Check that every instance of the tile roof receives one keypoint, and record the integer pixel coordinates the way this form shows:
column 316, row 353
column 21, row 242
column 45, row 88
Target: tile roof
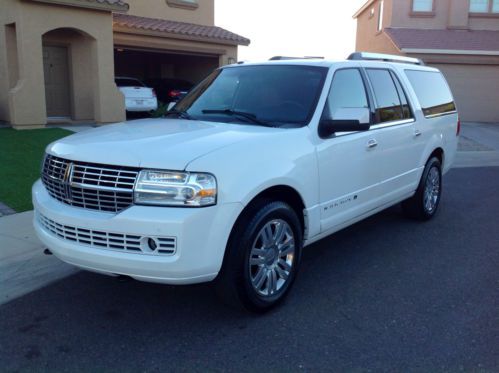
column 466, row 40
column 189, row 30
column 113, row 5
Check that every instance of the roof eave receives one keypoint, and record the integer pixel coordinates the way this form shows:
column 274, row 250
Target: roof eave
column 363, row 8
column 172, row 35
column 88, row 4
column 450, row 51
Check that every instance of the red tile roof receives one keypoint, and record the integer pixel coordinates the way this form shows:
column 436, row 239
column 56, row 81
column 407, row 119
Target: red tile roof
column 209, row 33
column 467, row 40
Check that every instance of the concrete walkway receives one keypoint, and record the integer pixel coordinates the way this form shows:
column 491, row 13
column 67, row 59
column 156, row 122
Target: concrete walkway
column 24, row 267
column 478, row 145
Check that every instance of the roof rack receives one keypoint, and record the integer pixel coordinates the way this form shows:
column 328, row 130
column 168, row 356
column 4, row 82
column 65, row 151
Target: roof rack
column 384, row 57
column 281, row 58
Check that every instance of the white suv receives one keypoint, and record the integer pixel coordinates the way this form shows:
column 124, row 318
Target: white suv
column 256, row 162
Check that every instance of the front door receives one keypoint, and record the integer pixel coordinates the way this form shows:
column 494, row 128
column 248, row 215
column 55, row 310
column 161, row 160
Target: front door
column 56, row 72
column 347, row 161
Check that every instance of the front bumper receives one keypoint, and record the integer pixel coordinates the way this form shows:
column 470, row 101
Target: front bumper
column 200, row 234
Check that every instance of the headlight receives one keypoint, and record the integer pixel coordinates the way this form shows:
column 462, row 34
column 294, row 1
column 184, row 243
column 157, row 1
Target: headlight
column 168, row 188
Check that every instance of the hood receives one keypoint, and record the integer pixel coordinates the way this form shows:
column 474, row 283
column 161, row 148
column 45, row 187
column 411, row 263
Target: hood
column 152, row 143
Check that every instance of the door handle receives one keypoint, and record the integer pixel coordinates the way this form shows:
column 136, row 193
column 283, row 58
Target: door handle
column 372, row 144
column 417, row 133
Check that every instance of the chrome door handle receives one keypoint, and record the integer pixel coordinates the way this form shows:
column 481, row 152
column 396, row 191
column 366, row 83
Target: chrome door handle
column 372, row 143
column 417, row 133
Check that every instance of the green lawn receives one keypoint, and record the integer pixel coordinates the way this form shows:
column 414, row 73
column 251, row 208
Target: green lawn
column 21, row 154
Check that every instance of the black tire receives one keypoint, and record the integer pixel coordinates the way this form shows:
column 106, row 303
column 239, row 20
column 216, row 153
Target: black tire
column 417, row 207
column 235, row 284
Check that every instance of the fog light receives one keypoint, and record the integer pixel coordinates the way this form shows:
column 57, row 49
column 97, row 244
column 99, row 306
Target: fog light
column 152, row 244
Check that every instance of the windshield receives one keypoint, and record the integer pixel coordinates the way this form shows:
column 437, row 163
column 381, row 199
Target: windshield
column 263, row 94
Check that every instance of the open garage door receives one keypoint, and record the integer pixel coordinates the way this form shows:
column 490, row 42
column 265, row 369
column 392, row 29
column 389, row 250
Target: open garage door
column 176, row 71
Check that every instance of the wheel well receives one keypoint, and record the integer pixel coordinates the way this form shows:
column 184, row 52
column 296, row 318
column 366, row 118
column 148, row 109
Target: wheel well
column 439, row 153
column 285, row 194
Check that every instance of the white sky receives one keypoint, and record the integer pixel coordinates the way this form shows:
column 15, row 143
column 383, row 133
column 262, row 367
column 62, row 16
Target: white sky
column 291, row 27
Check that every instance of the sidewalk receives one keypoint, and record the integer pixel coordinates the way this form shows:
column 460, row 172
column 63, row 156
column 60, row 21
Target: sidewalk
column 24, row 267
column 478, row 145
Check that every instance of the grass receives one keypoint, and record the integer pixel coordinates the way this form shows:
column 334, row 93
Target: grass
column 21, row 154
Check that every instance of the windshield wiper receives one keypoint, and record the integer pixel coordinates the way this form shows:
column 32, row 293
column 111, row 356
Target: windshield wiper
column 179, row 114
column 249, row 116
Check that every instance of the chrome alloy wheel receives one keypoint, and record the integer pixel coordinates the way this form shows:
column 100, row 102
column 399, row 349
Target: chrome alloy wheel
column 432, row 190
column 271, row 257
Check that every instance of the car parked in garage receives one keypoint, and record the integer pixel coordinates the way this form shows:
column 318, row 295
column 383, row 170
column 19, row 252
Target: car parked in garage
column 258, row 161
column 170, row 90
column 138, row 97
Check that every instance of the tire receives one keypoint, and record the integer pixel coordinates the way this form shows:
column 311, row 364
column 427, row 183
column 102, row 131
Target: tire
column 424, row 204
column 262, row 257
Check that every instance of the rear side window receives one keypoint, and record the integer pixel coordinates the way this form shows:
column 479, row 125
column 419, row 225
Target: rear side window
column 432, row 91
column 389, row 105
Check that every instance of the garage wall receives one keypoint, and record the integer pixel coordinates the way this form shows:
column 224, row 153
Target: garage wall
column 475, row 88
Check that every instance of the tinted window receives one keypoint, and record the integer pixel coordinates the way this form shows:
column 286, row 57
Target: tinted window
column 347, row 91
column 406, row 109
column 432, row 91
column 277, row 94
column 388, row 105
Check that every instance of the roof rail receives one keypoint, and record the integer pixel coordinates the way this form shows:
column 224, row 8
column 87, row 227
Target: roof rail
column 281, row 58
column 384, row 57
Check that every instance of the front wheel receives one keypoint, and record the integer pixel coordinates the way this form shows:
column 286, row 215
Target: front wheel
column 262, row 258
column 424, row 204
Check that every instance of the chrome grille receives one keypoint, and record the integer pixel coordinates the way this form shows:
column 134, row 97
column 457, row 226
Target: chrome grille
column 109, row 240
column 89, row 185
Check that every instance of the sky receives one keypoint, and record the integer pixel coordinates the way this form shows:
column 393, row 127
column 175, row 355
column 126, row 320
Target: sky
column 291, row 27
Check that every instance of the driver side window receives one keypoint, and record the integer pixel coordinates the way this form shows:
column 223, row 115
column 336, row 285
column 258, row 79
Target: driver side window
column 347, row 92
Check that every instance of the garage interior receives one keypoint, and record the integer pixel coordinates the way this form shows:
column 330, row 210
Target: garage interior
column 150, row 64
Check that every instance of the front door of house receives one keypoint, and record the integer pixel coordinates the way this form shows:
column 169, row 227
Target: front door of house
column 56, row 71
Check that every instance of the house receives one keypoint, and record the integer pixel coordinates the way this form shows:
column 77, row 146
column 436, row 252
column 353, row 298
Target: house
column 460, row 37
column 58, row 58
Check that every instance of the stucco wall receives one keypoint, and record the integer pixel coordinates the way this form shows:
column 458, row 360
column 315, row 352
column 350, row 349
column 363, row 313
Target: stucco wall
column 484, row 23
column 403, row 17
column 369, row 39
column 204, row 14
column 26, row 100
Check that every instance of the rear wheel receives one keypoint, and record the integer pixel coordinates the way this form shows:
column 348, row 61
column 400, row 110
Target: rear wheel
column 262, row 258
column 424, row 204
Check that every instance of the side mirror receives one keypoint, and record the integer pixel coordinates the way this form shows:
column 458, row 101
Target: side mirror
column 346, row 120
column 170, row 106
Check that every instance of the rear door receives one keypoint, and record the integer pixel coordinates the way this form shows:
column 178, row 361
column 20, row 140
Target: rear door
column 398, row 150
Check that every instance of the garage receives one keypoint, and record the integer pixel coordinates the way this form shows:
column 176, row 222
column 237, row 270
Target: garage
column 177, row 70
column 475, row 90
column 168, row 55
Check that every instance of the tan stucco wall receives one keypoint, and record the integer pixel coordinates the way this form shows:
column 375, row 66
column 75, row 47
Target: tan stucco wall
column 368, row 38
column 204, row 14
column 475, row 90
column 484, row 23
column 448, row 14
column 26, row 101
column 402, row 15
